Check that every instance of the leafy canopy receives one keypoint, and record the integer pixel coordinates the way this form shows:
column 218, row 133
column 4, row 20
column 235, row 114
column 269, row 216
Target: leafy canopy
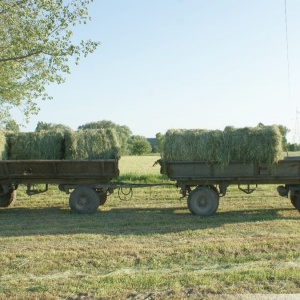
column 35, row 48
column 139, row 145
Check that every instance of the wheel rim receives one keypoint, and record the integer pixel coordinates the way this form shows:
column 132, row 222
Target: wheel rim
column 202, row 202
column 82, row 201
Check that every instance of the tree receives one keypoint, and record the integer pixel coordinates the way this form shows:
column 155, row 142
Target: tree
column 139, row 145
column 50, row 126
column 160, row 141
column 35, row 48
column 12, row 125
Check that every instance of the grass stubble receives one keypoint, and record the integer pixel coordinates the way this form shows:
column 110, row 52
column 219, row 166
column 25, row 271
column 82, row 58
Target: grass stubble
column 149, row 247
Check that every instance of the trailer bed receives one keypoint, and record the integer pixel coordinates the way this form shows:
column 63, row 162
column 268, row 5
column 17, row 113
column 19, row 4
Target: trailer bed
column 204, row 182
column 203, row 173
column 58, row 171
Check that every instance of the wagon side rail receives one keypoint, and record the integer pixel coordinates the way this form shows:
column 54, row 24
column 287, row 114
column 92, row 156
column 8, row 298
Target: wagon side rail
column 202, row 173
column 58, row 171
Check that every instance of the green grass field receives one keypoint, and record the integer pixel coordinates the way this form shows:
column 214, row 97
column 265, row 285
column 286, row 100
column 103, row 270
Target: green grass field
column 149, row 247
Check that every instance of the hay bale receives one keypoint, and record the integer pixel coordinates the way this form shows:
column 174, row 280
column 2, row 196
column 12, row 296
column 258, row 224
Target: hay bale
column 262, row 144
column 3, row 146
column 42, row 145
column 191, row 145
column 92, row 144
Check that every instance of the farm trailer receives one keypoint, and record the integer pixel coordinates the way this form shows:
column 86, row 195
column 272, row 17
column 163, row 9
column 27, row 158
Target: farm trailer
column 90, row 180
column 203, row 183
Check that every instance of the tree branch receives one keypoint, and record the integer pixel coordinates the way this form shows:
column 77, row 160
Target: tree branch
column 20, row 57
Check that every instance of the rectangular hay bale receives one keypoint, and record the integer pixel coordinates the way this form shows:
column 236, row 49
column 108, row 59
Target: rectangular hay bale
column 92, row 144
column 261, row 144
column 42, row 145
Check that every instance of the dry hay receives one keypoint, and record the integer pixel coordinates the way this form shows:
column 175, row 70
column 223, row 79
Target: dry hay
column 42, row 145
column 92, row 144
column 262, row 144
column 191, row 145
column 3, row 148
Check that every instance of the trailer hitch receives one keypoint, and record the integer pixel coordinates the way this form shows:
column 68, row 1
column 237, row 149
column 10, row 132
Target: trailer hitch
column 247, row 190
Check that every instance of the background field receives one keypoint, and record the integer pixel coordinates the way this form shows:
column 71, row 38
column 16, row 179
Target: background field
column 149, row 247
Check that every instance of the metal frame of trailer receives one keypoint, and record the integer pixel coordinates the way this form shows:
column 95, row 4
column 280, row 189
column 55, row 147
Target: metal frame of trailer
column 90, row 180
column 204, row 182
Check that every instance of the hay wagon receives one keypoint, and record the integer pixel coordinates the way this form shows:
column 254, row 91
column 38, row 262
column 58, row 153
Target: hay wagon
column 204, row 182
column 89, row 180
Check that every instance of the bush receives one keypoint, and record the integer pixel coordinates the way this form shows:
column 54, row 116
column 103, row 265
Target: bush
column 138, row 145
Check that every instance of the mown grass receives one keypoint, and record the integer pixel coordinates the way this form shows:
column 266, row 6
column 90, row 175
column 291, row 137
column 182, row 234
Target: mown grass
column 149, row 247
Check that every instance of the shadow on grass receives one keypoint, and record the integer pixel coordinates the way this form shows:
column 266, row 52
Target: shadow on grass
column 125, row 221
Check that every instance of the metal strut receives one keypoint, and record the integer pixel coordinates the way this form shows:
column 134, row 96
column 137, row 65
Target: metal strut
column 248, row 190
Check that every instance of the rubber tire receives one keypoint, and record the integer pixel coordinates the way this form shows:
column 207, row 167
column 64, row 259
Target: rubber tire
column 102, row 198
column 84, row 200
column 7, row 199
column 203, row 201
column 295, row 200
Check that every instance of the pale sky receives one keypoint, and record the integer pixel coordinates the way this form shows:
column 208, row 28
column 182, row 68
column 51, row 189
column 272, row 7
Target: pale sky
column 165, row 64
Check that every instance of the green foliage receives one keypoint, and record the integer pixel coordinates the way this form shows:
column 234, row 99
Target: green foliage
column 138, row 145
column 50, row 126
column 123, row 132
column 142, row 178
column 11, row 125
column 35, row 48
column 293, row 147
column 160, row 138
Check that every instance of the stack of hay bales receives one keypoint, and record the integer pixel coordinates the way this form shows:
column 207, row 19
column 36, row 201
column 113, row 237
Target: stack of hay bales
column 262, row 144
column 44, row 144
column 61, row 144
column 3, row 147
column 92, row 144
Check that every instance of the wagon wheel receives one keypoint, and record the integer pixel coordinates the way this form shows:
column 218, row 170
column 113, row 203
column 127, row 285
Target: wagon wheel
column 84, row 200
column 295, row 199
column 203, row 201
column 7, row 198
